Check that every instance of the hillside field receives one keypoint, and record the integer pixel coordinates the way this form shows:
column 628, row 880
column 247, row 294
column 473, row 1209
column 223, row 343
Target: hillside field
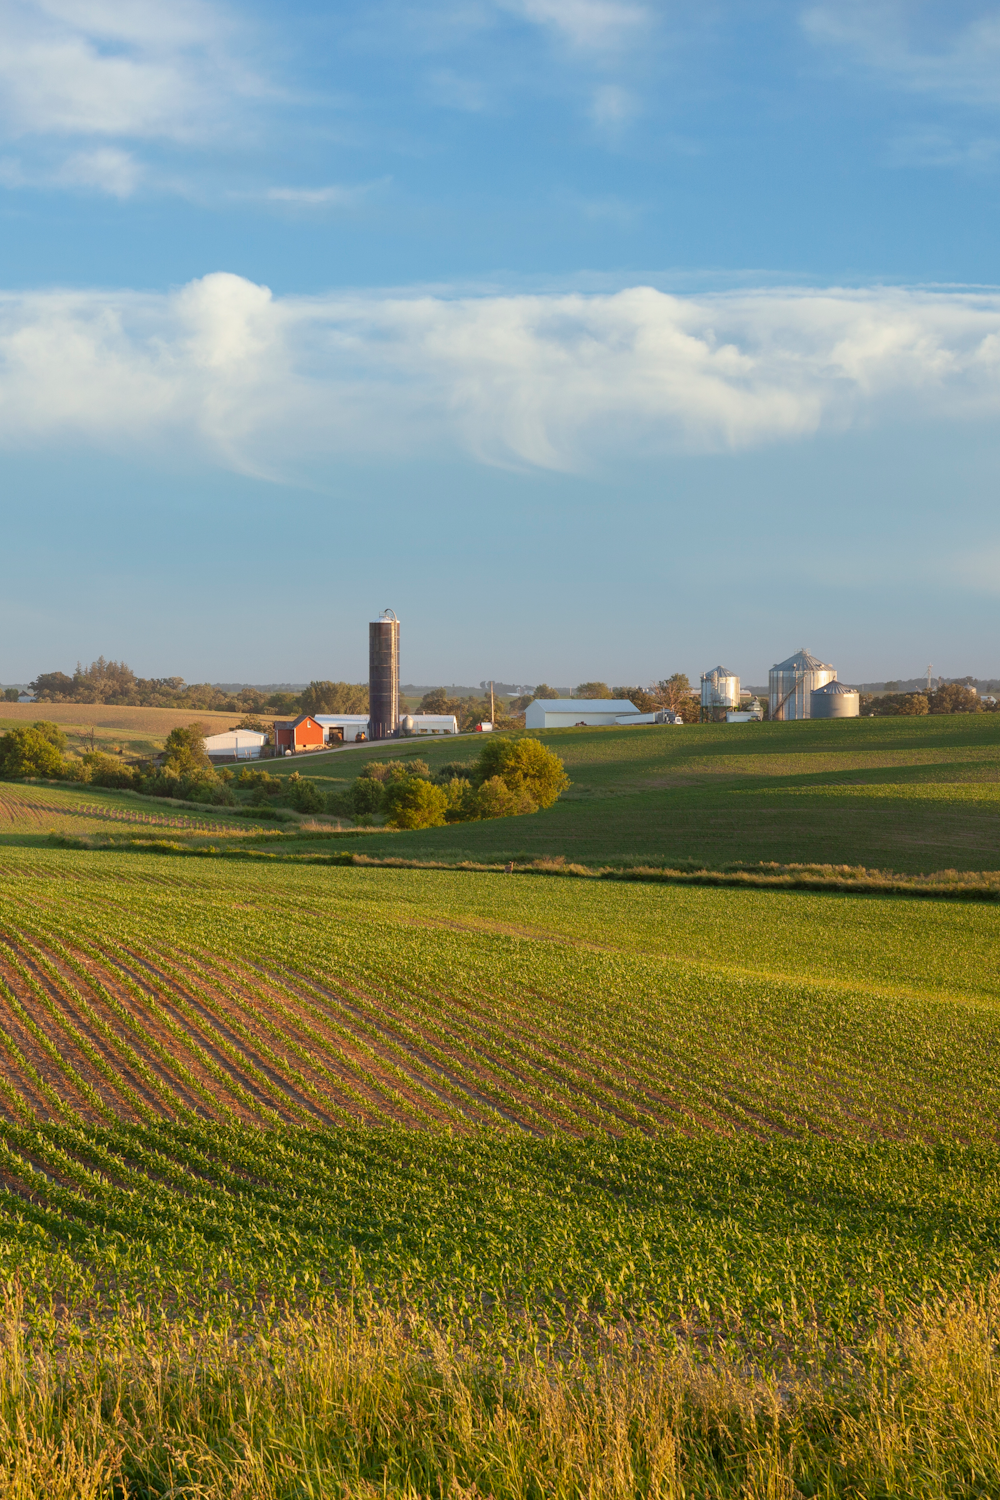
column 905, row 794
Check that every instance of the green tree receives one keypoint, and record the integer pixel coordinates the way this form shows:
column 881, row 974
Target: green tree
column 10, row 695
column 28, row 751
column 185, row 751
column 954, row 698
column 412, row 802
column 638, row 697
column 254, row 722
column 437, row 702
column 335, row 698
column 52, row 687
column 592, row 690
column 524, row 766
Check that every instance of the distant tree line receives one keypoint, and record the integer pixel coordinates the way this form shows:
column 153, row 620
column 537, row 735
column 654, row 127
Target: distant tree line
column 114, row 682
column 949, row 698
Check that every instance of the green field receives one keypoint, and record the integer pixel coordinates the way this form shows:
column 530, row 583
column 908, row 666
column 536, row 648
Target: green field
column 904, row 794
column 543, row 1187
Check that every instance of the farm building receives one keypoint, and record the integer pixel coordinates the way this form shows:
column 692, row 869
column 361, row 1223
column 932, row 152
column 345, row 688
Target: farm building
column 236, row 744
column 352, row 727
column 291, row 736
column 563, row 713
column 411, row 724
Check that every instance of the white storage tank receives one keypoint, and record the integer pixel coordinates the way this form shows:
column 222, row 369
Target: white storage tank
column 720, row 688
column 836, row 701
column 411, row 724
column 792, row 683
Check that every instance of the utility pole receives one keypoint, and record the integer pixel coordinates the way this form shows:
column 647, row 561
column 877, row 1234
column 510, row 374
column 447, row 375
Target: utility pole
column 930, row 668
column 492, row 709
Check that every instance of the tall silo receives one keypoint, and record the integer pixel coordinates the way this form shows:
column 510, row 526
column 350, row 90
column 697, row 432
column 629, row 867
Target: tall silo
column 720, row 688
column 791, row 684
column 383, row 676
column 836, row 701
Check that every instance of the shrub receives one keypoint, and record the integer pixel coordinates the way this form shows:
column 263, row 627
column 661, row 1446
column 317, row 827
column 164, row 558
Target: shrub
column 107, row 770
column 30, row 752
column 495, row 799
column 304, row 795
column 340, row 802
column 413, row 802
column 461, row 795
column 524, row 766
column 366, row 795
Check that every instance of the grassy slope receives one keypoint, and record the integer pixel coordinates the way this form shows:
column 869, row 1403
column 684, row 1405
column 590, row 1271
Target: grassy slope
column 908, row 794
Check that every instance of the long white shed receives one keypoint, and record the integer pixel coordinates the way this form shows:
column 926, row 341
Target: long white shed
column 564, row 713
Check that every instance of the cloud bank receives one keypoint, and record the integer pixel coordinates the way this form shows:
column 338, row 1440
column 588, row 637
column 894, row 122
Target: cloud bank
column 278, row 385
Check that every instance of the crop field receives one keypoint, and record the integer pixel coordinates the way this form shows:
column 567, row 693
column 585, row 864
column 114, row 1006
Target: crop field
column 523, row 1175
column 30, row 812
column 139, row 731
column 912, row 795
column 354, row 1057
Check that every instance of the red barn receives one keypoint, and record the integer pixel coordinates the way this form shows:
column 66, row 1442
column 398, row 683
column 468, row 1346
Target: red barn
column 297, row 734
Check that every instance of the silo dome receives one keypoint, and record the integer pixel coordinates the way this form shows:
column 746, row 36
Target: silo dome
column 791, row 684
column 835, row 701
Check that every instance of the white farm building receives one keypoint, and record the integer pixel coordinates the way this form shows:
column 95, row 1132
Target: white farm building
column 353, row 726
column 564, row 713
column 235, row 744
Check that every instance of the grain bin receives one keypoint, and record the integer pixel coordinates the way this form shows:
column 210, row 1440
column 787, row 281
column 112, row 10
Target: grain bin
column 835, row 701
column 383, row 676
column 720, row 688
column 791, row 685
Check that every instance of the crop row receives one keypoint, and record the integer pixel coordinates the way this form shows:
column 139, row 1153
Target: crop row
column 309, row 1006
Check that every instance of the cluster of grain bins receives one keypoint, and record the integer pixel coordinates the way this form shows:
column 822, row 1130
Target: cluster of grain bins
column 804, row 688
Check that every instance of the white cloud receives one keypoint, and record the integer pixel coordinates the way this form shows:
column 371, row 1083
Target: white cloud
column 128, row 68
column 107, row 169
column 271, row 384
column 591, row 24
column 928, row 50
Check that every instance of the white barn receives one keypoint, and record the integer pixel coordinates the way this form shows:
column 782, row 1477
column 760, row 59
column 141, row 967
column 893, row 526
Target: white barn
column 563, row 713
column 353, row 725
column 236, row 744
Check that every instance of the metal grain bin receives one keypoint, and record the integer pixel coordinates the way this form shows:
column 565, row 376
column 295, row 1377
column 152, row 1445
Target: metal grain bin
column 383, row 676
column 835, row 701
column 792, row 683
column 720, row 688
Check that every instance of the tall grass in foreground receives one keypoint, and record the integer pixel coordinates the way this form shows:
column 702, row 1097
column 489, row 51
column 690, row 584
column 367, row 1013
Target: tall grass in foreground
column 339, row 1405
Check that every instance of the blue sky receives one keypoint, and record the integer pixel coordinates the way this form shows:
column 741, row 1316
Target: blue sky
column 599, row 338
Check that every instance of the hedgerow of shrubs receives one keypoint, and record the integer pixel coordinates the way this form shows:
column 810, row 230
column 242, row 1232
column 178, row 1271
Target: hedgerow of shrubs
column 507, row 778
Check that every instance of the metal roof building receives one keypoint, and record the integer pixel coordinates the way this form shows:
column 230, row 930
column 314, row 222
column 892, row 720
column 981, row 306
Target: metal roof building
column 564, row 713
column 791, row 685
